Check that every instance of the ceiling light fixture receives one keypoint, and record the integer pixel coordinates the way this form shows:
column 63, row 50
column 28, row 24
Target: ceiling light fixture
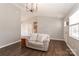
column 31, row 7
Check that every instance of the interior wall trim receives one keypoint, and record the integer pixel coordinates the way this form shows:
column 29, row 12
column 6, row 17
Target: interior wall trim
column 9, row 44
column 56, row 39
column 72, row 49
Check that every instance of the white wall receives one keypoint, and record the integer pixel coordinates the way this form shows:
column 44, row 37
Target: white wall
column 51, row 26
column 71, row 42
column 47, row 25
column 9, row 24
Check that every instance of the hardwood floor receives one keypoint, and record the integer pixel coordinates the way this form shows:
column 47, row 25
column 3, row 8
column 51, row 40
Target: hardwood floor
column 56, row 48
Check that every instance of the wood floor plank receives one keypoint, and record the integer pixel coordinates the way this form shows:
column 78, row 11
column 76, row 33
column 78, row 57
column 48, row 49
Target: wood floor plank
column 56, row 48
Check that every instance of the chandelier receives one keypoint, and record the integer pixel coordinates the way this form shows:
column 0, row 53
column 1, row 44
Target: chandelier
column 31, row 7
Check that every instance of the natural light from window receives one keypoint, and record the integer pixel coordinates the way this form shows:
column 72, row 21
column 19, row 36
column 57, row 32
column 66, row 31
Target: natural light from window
column 74, row 25
column 26, row 29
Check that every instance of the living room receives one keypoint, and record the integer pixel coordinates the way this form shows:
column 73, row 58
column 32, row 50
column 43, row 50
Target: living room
column 39, row 29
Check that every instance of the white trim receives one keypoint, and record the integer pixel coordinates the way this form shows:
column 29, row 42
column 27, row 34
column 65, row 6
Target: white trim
column 67, row 45
column 9, row 44
column 56, row 39
column 72, row 50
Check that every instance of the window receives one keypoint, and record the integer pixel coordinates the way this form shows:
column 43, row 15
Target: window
column 26, row 29
column 74, row 25
column 64, row 23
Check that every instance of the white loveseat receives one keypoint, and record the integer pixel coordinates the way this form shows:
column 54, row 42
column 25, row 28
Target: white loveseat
column 39, row 41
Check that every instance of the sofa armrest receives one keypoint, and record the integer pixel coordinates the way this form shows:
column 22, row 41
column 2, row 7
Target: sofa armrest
column 46, row 39
column 46, row 43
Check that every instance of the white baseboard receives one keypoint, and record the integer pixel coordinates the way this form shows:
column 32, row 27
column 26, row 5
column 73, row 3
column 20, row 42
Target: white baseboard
column 57, row 39
column 67, row 45
column 9, row 44
column 72, row 50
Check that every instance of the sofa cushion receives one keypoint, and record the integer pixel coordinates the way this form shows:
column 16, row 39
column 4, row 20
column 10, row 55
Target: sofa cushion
column 39, row 38
column 33, row 36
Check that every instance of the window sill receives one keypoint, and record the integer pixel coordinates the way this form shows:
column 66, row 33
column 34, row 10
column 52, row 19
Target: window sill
column 76, row 38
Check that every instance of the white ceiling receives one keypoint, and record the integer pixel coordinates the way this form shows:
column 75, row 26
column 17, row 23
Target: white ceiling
column 57, row 10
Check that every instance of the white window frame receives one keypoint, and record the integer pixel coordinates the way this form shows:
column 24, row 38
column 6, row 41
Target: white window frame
column 74, row 32
column 75, row 36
